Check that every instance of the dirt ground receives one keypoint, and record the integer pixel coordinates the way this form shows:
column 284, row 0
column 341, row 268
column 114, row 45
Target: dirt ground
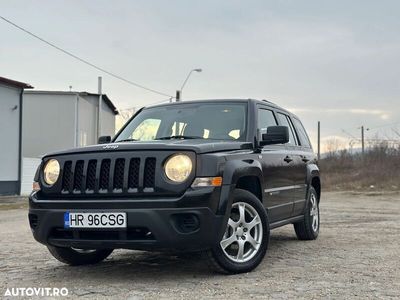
column 357, row 255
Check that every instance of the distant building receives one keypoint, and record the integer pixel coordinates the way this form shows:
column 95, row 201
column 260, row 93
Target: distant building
column 11, row 103
column 61, row 120
column 57, row 120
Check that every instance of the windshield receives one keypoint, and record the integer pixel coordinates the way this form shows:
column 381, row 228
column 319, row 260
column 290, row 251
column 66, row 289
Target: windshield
column 219, row 121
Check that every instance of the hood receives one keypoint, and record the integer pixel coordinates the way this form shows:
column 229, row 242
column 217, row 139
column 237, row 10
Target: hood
column 198, row 146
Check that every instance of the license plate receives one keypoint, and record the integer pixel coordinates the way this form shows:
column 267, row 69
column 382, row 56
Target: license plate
column 94, row 220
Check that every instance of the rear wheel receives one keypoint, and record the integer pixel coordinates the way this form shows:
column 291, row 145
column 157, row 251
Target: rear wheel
column 245, row 241
column 308, row 228
column 75, row 257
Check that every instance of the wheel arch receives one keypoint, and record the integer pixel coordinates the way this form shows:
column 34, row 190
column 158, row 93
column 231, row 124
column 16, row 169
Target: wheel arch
column 238, row 174
column 313, row 179
column 252, row 184
column 316, row 184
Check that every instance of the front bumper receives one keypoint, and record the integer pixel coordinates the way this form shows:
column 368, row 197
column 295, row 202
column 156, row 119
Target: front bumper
column 179, row 224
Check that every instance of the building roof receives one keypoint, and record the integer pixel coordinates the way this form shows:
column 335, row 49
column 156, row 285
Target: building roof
column 15, row 83
column 106, row 100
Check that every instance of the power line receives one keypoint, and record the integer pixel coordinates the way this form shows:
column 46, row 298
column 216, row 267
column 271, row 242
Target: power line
column 346, row 131
column 349, row 134
column 135, row 108
column 85, row 61
column 382, row 126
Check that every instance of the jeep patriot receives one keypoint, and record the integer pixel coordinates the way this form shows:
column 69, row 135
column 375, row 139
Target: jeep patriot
column 213, row 176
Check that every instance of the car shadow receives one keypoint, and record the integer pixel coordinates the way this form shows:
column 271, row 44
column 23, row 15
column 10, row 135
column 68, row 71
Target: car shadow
column 142, row 266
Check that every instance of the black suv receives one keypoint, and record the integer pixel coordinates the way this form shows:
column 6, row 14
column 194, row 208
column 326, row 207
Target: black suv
column 212, row 176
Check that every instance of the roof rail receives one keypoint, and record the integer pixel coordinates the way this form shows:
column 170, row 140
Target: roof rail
column 268, row 101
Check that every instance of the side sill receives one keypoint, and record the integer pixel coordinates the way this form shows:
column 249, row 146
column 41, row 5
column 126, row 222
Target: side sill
column 285, row 222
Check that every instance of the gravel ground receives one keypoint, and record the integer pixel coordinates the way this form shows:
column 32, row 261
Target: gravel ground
column 356, row 256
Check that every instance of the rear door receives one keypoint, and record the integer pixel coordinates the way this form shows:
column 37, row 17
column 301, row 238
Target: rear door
column 303, row 155
column 278, row 197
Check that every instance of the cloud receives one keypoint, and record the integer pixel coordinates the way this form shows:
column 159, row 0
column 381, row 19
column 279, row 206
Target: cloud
column 330, row 64
column 383, row 114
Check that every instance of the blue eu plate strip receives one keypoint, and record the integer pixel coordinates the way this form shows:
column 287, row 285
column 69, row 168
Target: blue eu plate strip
column 66, row 220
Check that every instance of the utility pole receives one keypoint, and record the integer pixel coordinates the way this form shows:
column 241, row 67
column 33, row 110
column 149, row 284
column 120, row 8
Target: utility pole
column 319, row 140
column 362, row 140
column 100, row 106
column 179, row 92
column 178, row 96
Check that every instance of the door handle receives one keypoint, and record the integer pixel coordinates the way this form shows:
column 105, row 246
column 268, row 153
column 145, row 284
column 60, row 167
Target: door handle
column 288, row 159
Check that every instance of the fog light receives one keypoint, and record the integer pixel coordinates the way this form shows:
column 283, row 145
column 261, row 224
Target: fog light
column 186, row 223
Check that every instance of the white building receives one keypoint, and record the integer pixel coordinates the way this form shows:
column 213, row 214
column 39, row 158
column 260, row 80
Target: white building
column 11, row 95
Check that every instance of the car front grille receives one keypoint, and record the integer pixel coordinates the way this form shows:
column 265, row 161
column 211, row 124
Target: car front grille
column 114, row 174
column 107, row 175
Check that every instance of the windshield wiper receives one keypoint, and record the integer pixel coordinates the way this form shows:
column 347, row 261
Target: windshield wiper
column 126, row 140
column 187, row 137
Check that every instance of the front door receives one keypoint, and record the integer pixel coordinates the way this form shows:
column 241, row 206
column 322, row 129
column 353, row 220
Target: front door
column 277, row 180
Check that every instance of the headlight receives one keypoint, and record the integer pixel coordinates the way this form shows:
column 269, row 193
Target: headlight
column 51, row 171
column 178, row 167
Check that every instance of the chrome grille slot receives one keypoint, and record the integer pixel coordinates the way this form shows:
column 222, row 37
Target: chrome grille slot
column 104, row 175
column 91, row 176
column 119, row 174
column 133, row 177
column 149, row 173
column 78, row 176
column 67, row 176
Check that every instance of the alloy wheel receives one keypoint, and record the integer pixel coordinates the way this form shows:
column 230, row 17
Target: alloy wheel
column 244, row 233
column 314, row 213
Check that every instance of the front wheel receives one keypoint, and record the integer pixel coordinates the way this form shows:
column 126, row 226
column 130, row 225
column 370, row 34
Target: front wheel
column 75, row 257
column 245, row 241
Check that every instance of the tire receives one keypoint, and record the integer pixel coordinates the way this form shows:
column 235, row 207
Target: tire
column 308, row 228
column 249, row 233
column 75, row 257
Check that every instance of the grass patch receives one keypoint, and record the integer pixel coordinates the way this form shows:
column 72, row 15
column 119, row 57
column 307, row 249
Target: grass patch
column 378, row 169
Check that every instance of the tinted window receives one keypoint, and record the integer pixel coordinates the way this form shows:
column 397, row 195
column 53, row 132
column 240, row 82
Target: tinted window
column 301, row 132
column 265, row 119
column 220, row 121
column 283, row 120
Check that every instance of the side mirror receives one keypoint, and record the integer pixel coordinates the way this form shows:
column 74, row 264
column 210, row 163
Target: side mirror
column 275, row 135
column 104, row 139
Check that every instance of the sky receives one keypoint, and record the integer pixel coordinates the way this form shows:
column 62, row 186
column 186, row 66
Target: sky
column 337, row 62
